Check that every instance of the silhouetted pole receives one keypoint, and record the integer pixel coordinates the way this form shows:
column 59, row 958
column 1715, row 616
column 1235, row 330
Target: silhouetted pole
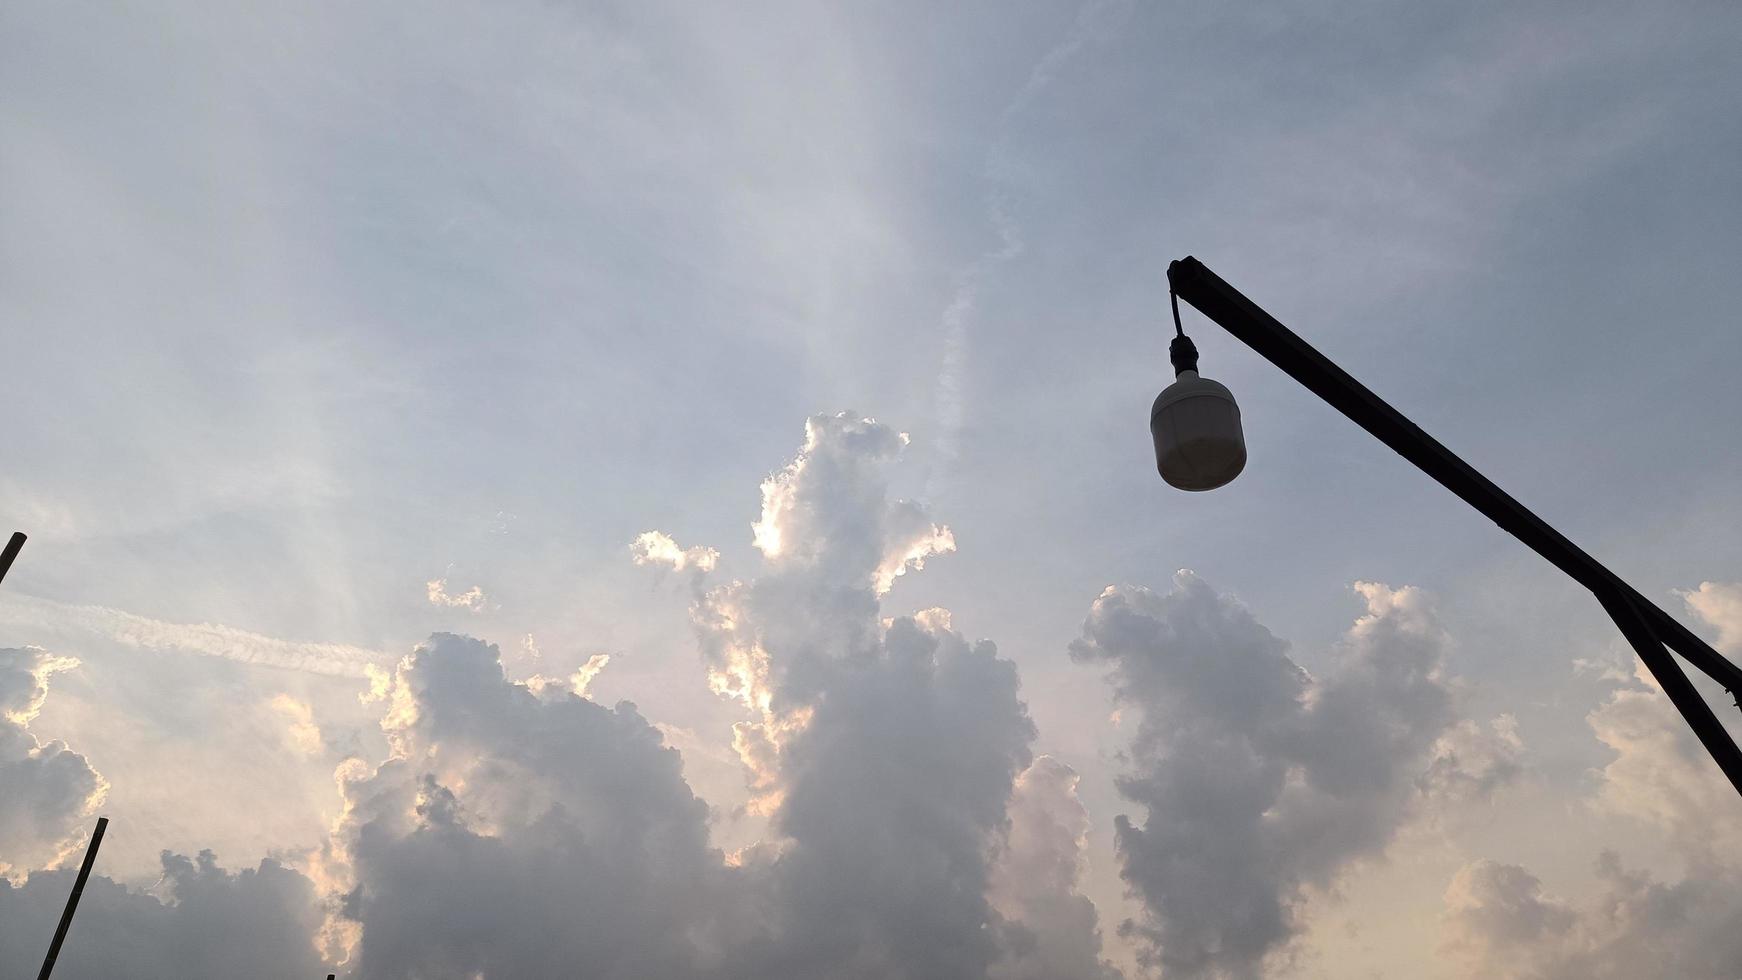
column 1646, row 627
column 66, row 918
column 11, row 552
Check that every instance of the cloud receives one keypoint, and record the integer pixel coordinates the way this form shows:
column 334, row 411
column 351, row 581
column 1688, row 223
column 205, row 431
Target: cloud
column 1470, row 762
column 580, row 682
column 1660, row 774
column 583, row 678
column 657, row 548
column 1035, row 880
column 516, row 832
column 48, row 789
column 258, row 922
column 472, row 599
column 893, row 797
column 1258, row 781
column 884, row 750
column 205, row 639
column 523, row 829
column 1500, row 923
column 1720, row 604
column 301, row 731
column 828, row 511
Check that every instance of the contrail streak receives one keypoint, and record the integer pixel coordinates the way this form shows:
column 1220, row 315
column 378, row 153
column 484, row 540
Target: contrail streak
column 20, row 612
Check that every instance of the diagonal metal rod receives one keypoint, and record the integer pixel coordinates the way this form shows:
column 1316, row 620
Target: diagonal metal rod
column 1243, row 318
column 66, row 918
column 1193, row 282
column 7, row 556
column 1669, row 676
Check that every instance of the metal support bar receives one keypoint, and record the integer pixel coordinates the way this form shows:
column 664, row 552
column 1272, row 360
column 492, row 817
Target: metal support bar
column 66, row 917
column 1203, row 289
column 11, row 552
column 1681, row 691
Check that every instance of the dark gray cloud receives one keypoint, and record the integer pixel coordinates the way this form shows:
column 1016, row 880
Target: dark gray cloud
column 1257, row 780
column 893, row 798
column 522, row 829
column 46, row 789
column 211, row 923
column 523, row 832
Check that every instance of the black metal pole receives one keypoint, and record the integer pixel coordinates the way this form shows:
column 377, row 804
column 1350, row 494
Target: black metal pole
column 10, row 553
column 1675, row 684
column 1193, row 282
column 66, row 917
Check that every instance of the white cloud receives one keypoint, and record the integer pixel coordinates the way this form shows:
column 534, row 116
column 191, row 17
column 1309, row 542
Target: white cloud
column 1720, row 604
column 1470, row 762
column 301, row 732
column 657, row 548
column 1660, row 774
column 46, row 789
column 829, row 511
column 206, row 639
column 1036, row 878
column 472, row 599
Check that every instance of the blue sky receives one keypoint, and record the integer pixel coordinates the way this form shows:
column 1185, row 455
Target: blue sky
column 309, row 308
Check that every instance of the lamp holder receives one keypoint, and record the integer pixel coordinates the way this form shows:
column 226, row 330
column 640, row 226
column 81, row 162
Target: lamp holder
column 1182, row 352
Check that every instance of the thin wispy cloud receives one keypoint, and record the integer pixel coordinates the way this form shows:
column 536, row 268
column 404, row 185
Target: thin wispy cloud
column 204, row 639
column 949, row 391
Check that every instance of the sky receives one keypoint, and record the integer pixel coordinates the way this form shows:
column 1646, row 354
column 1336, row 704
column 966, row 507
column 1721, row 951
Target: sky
column 659, row 490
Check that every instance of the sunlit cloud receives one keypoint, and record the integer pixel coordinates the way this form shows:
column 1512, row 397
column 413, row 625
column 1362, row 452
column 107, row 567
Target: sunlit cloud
column 472, row 599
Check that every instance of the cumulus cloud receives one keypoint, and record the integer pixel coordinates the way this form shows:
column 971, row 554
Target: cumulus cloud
column 523, row 829
column 522, row 832
column 472, row 599
column 1258, row 781
column 210, row 923
column 580, row 682
column 894, row 796
column 657, row 548
column 46, row 789
column 829, row 510
column 301, row 732
column 1500, row 923
column 1035, row 880
column 885, row 750
column 1720, row 604
column 1470, row 762
column 1660, row 774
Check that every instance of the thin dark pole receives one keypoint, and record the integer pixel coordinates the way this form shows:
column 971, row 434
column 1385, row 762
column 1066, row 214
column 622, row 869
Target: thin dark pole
column 66, row 918
column 1669, row 676
column 1193, row 282
column 11, row 552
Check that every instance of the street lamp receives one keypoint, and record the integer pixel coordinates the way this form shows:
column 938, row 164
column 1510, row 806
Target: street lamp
column 1198, row 446
column 1195, row 423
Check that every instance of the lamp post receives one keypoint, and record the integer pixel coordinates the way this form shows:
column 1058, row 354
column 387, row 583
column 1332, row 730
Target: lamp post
column 1199, row 446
